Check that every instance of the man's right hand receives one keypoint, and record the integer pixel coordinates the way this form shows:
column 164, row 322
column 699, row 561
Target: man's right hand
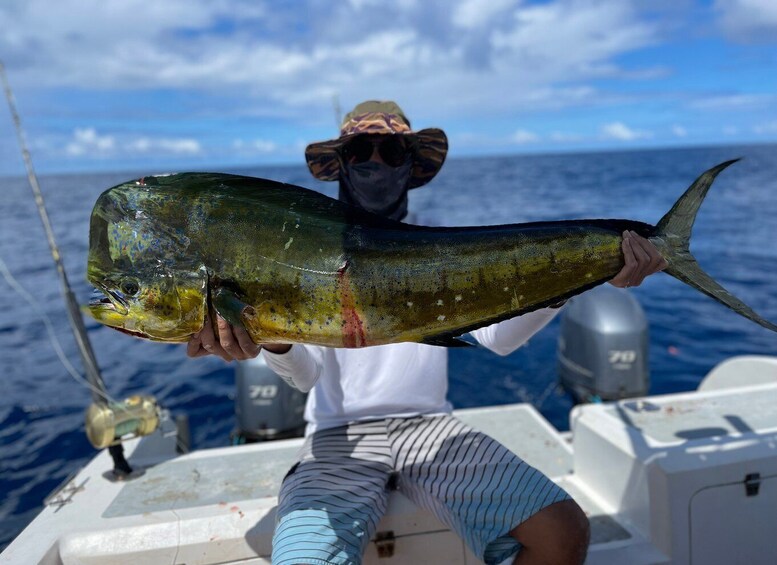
column 230, row 344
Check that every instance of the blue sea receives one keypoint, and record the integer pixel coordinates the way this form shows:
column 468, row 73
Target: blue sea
column 42, row 407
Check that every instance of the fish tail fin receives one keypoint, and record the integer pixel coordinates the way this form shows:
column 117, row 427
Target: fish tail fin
column 672, row 236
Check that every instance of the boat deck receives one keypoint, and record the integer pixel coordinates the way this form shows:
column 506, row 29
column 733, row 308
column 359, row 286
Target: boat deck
column 255, row 471
column 218, row 505
column 682, row 478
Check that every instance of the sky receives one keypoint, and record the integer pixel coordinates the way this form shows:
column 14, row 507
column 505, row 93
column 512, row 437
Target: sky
column 193, row 84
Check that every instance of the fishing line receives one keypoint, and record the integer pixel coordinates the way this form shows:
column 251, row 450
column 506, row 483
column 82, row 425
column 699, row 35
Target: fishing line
column 20, row 290
column 546, row 393
column 97, row 385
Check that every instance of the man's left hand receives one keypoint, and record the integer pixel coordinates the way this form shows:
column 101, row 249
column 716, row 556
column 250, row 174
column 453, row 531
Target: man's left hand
column 642, row 259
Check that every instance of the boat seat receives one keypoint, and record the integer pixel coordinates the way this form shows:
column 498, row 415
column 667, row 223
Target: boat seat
column 743, row 370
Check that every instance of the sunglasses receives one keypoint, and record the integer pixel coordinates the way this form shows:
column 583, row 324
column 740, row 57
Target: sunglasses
column 393, row 149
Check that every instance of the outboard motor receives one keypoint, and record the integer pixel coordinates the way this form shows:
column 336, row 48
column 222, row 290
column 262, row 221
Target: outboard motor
column 266, row 407
column 603, row 346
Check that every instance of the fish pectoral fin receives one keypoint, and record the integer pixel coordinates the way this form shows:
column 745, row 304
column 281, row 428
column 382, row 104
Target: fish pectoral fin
column 447, row 341
column 231, row 308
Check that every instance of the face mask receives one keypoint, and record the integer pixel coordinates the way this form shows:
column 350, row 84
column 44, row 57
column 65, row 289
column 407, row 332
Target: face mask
column 377, row 188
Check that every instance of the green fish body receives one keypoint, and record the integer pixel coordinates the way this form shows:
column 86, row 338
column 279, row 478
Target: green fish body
column 294, row 266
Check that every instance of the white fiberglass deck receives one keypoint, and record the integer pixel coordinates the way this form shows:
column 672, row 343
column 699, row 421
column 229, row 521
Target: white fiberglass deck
column 217, row 505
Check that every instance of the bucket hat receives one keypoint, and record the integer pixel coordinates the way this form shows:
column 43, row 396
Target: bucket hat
column 428, row 146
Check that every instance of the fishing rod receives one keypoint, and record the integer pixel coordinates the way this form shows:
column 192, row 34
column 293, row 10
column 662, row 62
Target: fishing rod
column 337, row 110
column 108, row 422
column 99, row 392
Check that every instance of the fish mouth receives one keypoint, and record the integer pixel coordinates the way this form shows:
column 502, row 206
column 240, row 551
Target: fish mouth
column 110, row 307
column 130, row 332
column 104, row 298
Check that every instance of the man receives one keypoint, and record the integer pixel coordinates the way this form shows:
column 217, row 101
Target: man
column 378, row 417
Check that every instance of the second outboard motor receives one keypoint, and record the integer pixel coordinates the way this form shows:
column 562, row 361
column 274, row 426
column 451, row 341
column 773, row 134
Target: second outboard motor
column 603, row 346
column 266, row 407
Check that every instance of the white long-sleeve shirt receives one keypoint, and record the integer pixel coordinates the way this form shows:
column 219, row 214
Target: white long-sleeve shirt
column 402, row 379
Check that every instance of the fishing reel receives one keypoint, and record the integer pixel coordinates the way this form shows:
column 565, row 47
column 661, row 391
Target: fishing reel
column 110, row 424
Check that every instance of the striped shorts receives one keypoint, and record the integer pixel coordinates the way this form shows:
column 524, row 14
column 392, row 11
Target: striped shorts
column 333, row 498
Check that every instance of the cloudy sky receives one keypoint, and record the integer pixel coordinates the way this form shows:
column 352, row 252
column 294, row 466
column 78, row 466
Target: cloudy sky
column 130, row 84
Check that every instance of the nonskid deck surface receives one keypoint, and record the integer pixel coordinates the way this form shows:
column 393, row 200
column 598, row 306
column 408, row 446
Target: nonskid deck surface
column 731, row 413
column 255, row 472
column 235, row 475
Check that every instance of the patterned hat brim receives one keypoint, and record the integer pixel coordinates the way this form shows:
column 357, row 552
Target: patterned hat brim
column 431, row 148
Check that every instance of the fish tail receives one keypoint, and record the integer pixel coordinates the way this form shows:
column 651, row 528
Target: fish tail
column 672, row 236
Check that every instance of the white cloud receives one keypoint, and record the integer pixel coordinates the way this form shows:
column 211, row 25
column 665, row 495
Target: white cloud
column 621, row 132
column 524, row 136
column 576, row 38
column 168, row 146
column 445, row 61
column 735, row 102
column 563, row 97
column 255, row 146
column 362, row 4
column 412, row 51
column 470, row 14
column 679, row 131
column 264, row 146
column 86, row 141
column 565, row 137
column 748, row 20
column 766, row 128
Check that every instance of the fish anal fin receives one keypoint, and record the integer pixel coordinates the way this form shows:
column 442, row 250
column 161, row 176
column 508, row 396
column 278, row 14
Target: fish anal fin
column 447, row 341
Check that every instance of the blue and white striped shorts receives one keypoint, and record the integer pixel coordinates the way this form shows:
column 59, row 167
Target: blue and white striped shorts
column 333, row 498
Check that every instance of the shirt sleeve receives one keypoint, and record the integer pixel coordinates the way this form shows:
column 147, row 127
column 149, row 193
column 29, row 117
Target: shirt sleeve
column 300, row 366
column 505, row 337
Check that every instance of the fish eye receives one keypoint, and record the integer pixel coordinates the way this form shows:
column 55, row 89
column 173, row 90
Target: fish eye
column 130, row 288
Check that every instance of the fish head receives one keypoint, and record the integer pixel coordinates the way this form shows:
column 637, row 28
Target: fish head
column 160, row 305
column 150, row 283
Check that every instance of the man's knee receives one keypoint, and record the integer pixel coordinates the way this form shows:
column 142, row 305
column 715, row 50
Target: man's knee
column 315, row 536
column 558, row 533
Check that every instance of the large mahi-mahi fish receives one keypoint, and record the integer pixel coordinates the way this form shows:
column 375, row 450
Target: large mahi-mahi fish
column 294, row 266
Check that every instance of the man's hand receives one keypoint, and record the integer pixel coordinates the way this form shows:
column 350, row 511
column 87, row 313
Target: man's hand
column 642, row 259
column 232, row 342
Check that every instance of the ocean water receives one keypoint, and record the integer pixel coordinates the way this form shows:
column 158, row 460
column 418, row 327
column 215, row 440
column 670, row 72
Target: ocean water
column 42, row 438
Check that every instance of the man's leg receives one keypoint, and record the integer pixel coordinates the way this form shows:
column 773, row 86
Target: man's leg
column 475, row 485
column 558, row 533
column 332, row 500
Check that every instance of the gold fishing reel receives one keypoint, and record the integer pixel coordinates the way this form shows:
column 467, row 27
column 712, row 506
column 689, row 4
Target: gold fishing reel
column 110, row 424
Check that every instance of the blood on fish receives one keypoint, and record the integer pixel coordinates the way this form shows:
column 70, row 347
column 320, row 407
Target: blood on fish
column 353, row 326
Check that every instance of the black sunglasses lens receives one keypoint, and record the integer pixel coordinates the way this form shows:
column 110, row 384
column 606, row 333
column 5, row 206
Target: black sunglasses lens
column 358, row 149
column 393, row 151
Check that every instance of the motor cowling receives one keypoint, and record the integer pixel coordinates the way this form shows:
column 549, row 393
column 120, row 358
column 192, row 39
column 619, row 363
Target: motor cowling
column 266, row 407
column 603, row 346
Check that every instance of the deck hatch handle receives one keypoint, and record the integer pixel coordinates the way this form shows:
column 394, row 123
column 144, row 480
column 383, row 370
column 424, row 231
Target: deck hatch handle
column 752, row 484
column 384, row 541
